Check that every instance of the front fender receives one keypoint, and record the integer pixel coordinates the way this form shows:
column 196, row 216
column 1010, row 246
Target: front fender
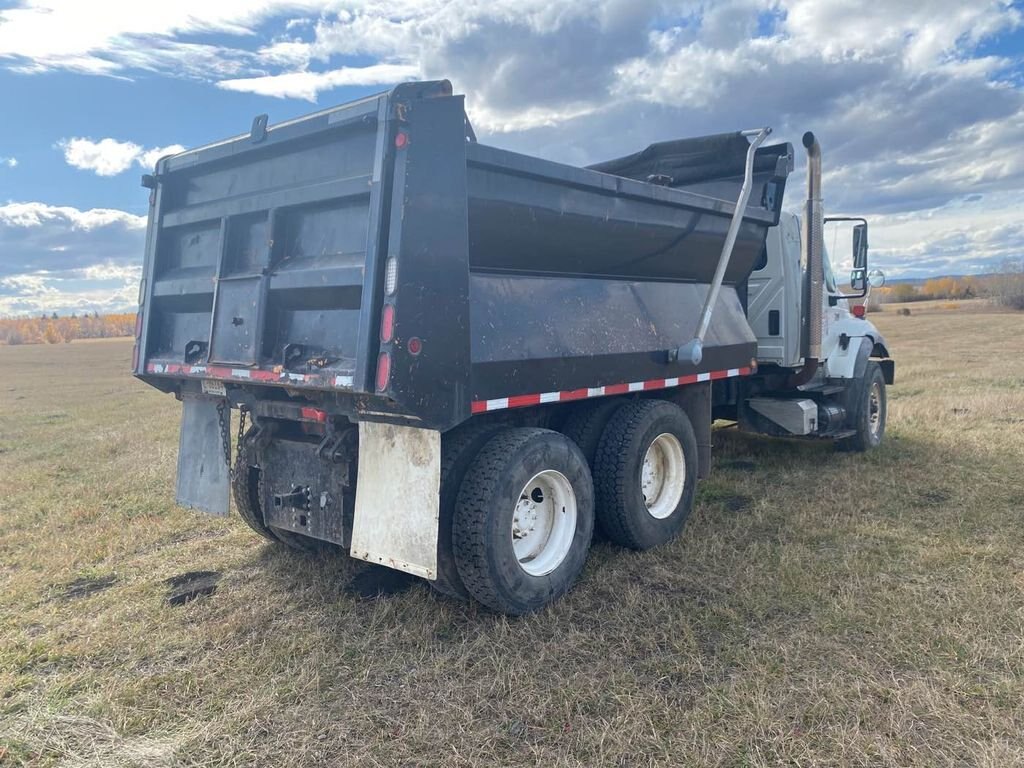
column 850, row 361
column 863, row 342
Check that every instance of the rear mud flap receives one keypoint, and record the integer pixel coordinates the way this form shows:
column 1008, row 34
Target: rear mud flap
column 203, row 474
column 397, row 498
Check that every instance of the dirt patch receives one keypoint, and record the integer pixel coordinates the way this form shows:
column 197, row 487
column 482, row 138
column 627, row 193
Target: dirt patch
column 186, row 587
column 375, row 581
column 737, row 503
column 86, row 586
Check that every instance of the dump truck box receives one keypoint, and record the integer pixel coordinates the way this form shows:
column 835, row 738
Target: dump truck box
column 375, row 262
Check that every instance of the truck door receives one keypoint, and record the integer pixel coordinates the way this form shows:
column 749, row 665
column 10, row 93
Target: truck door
column 774, row 295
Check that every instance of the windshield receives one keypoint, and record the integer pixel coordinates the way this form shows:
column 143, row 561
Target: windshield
column 826, row 263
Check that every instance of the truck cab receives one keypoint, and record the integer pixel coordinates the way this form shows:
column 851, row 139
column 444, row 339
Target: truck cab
column 774, row 302
column 822, row 365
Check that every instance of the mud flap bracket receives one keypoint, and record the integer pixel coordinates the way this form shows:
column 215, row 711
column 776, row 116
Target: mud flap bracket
column 204, row 477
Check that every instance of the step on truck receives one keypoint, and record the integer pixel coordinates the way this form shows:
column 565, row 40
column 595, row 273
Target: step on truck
column 458, row 361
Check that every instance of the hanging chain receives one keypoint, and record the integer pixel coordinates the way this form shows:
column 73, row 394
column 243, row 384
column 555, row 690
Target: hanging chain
column 243, row 411
column 224, row 417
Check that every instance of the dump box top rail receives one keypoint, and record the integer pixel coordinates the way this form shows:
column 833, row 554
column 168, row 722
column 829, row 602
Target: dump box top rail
column 374, row 261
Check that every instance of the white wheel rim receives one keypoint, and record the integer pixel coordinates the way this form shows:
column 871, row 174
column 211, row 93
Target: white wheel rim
column 663, row 476
column 875, row 409
column 544, row 522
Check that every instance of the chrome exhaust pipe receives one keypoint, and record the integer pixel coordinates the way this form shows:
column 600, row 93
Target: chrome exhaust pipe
column 811, row 250
column 813, row 246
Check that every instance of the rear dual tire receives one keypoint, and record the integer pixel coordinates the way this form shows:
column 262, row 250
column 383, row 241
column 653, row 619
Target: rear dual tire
column 645, row 474
column 523, row 520
column 459, row 449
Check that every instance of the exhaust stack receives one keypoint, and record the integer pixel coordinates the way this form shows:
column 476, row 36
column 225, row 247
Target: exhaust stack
column 811, row 249
column 812, row 246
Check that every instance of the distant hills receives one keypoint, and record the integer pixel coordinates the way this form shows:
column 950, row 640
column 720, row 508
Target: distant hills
column 919, row 281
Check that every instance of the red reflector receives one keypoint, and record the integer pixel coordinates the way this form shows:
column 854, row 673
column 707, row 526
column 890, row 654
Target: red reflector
column 314, row 414
column 415, row 346
column 383, row 371
column 858, row 310
column 135, row 357
column 138, row 324
column 387, row 323
column 401, row 139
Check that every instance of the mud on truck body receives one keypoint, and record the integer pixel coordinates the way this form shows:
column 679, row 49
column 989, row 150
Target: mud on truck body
column 456, row 360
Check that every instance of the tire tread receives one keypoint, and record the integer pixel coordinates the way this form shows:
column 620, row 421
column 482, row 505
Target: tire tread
column 471, row 521
column 453, row 447
column 614, row 483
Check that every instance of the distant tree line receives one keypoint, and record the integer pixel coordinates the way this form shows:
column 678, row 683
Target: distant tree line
column 52, row 329
column 1005, row 288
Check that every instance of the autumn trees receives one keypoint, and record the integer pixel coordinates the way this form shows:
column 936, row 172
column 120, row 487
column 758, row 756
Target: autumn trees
column 51, row 329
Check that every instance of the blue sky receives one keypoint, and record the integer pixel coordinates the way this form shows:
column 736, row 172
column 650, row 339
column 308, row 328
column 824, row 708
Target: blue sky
column 919, row 106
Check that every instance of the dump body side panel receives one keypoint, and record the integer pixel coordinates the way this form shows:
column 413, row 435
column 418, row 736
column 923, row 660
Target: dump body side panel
column 581, row 280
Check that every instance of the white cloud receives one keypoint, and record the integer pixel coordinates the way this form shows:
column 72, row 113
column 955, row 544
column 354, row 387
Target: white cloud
column 39, row 215
column 147, row 159
column 31, row 285
column 961, row 237
column 64, row 243
column 109, row 157
column 60, row 258
column 10, row 162
column 109, row 36
column 914, row 117
column 43, row 294
column 306, row 85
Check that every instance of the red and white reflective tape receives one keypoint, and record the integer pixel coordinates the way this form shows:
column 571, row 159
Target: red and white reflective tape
column 249, row 374
column 521, row 401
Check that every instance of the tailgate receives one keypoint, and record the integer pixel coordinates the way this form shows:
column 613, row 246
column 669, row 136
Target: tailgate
column 262, row 251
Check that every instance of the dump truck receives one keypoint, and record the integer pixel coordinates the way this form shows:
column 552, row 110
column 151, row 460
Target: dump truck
column 459, row 361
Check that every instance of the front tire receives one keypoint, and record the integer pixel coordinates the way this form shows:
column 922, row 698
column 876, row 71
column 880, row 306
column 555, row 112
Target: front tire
column 646, row 474
column 523, row 520
column 867, row 403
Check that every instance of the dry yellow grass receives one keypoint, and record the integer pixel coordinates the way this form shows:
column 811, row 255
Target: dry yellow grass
column 821, row 609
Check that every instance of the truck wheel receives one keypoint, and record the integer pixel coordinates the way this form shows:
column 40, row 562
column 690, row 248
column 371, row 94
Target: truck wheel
column 458, row 449
column 245, row 481
column 585, row 425
column 868, row 406
column 245, row 487
column 523, row 520
column 645, row 474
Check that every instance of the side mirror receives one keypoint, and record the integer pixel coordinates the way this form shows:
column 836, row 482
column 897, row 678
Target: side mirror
column 876, row 278
column 860, row 246
column 857, row 257
column 859, row 275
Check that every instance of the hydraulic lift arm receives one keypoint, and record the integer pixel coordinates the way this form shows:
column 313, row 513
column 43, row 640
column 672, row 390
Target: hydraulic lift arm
column 693, row 350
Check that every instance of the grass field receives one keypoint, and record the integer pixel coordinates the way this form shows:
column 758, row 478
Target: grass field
column 821, row 608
